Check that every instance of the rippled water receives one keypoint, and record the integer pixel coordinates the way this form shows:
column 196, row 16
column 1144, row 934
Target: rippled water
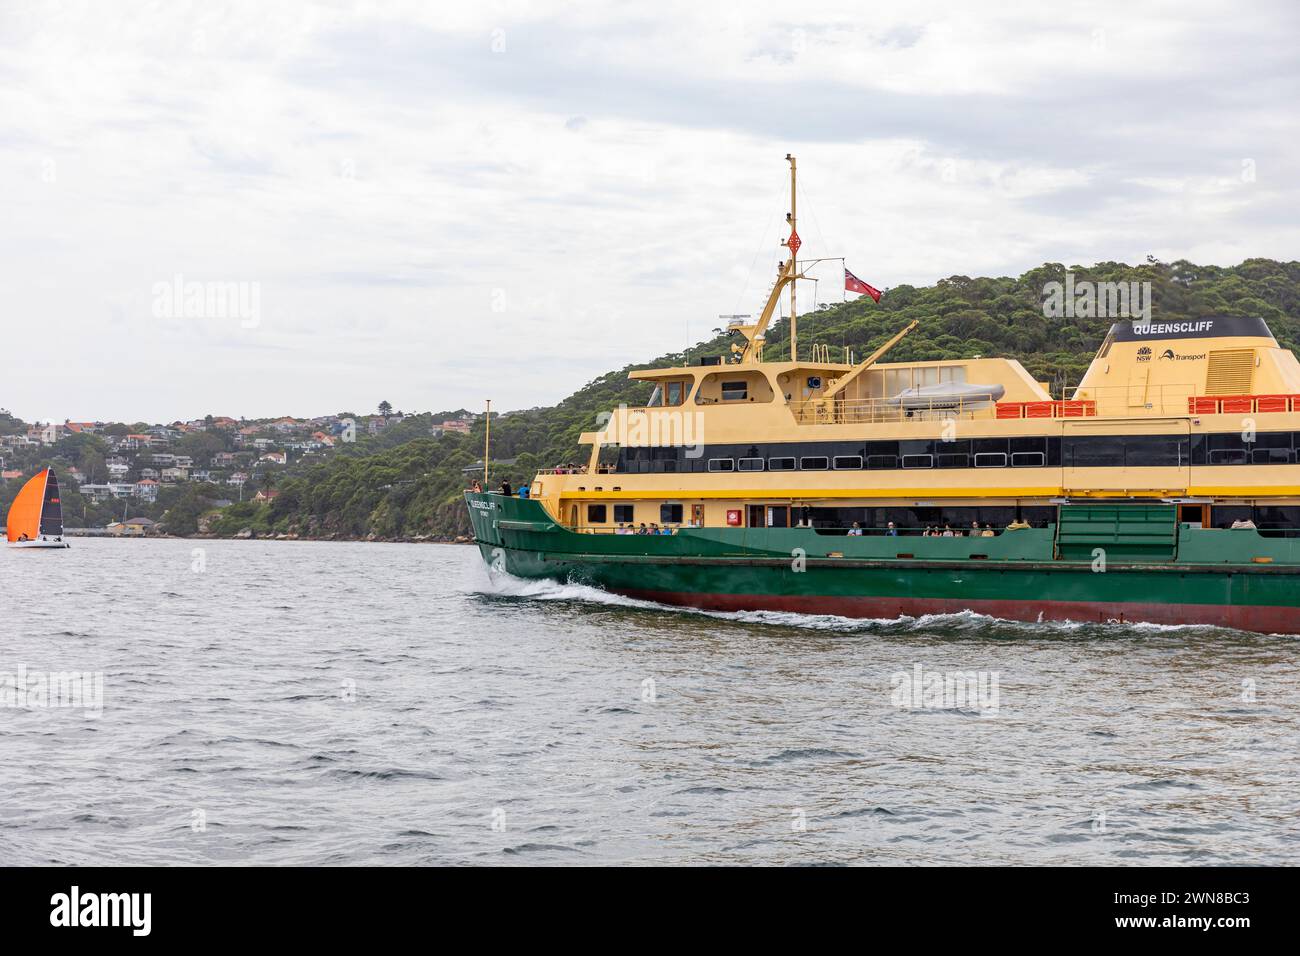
column 278, row 702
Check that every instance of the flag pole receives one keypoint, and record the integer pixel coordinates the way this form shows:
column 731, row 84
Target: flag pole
column 487, row 441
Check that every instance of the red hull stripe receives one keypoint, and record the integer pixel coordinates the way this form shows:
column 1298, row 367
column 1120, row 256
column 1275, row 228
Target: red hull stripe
column 1273, row 620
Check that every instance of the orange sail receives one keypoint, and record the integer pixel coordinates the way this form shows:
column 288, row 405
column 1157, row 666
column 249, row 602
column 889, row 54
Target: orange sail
column 24, row 519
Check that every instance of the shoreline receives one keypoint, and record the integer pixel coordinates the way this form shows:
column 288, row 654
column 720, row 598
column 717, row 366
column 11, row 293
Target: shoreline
column 419, row 539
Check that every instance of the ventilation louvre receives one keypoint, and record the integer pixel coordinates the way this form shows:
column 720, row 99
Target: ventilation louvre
column 1230, row 372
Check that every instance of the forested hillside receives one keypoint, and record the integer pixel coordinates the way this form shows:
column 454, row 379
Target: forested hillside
column 412, row 488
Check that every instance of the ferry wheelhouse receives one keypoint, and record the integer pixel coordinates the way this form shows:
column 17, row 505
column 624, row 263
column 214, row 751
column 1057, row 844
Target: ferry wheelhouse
column 1164, row 488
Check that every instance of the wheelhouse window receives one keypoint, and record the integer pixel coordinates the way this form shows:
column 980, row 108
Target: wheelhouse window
column 735, row 391
column 668, row 394
column 670, row 514
column 722, row 464
column 847, row 462
column 749, row 464
column 918, row 461
column 814, row 463
column 1028, row 459
column 596, row 514
column 780, row 464
column 880, row 462
column 991, row 459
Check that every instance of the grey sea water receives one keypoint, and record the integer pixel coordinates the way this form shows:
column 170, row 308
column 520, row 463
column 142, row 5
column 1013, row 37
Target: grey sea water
column 324, row 703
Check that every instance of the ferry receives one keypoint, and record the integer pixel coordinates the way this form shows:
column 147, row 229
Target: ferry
column 1164, row 488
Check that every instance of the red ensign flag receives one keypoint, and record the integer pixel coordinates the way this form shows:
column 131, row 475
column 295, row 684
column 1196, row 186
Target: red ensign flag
column 853, row 284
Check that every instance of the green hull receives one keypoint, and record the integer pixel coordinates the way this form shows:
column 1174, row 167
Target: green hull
column 1178, row 575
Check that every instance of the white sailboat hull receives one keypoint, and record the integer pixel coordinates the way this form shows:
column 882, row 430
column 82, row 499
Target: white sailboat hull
column 39, row 544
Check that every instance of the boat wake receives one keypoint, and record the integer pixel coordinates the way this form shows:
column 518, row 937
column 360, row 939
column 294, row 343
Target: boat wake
column 501, row 584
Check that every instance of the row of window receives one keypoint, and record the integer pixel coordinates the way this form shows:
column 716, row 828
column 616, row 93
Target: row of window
column 1083, row 451
column 1020, row 459
column 626, row 514
column 1270, row 520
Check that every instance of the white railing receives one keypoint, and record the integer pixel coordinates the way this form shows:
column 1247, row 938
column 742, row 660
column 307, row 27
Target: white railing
column 854, row 411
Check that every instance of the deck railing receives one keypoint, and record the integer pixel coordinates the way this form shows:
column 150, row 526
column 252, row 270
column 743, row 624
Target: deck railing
column 1097, row 401
column 857, row 411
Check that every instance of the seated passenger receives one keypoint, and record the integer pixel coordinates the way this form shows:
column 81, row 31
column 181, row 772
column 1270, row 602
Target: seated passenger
column 856, row 530
column 891, row 531
column 987, row 532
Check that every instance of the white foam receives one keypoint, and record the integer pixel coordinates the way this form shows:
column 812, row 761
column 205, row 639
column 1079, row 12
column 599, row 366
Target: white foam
column 543, row 589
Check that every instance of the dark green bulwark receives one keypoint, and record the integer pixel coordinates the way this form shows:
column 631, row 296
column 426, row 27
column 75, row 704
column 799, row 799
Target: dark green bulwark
column 522, row 524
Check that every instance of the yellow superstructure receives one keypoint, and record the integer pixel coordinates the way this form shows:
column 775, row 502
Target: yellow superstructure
column 1204, row 413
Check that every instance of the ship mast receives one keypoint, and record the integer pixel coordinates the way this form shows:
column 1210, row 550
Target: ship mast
column 793, row 245
column 751, row 352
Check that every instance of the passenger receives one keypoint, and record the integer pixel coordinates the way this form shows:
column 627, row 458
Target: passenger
column 891, row 531
column 974, row 529
column 476, row 487
column 856, row 530
column 505, row 488
column 947, row 532
column 987, row 532
column 523, row 491
column 642, row 529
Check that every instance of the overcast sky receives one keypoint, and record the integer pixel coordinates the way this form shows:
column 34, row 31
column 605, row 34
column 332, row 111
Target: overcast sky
column 437, row 203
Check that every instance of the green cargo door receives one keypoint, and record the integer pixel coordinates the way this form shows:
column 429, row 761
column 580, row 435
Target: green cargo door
column 1123, row 531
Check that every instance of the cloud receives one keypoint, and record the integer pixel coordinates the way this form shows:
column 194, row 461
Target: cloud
column 441, row 204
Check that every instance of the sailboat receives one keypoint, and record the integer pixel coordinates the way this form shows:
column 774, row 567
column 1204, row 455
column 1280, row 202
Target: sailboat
column 36, row 516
